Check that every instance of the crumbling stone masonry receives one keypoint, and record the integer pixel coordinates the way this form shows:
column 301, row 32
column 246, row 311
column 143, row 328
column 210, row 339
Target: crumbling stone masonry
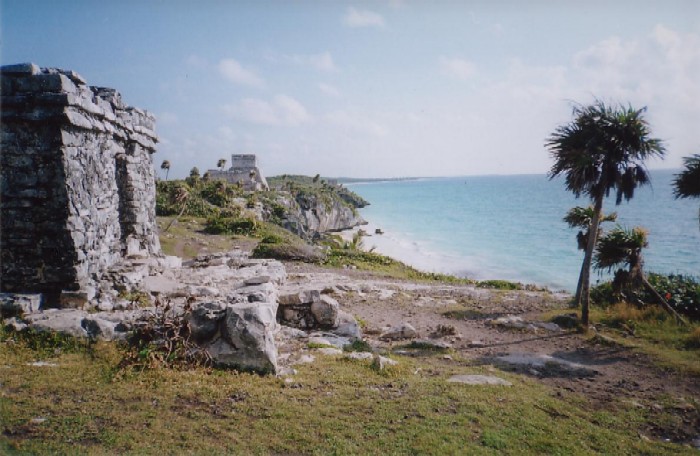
column 78, row 190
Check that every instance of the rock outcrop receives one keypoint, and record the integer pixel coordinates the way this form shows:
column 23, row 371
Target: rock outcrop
column 77, row 187
column 309, row 214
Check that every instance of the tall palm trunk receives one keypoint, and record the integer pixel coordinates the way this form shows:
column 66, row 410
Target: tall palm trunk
column 587, row 258
column 579, row 286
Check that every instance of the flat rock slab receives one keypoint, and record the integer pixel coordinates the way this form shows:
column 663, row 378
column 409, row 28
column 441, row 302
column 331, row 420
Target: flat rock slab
column 479, row 380
column 542, row 361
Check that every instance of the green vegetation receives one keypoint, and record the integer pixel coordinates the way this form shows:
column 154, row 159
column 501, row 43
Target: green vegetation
column 304, row 187
column 384, row 265
column 358, row 345
column 653, row 332
column 681, row 292
column 602, row 150
column 687, row 183
column 87, row 404
column 500, row 285
column 281, row 244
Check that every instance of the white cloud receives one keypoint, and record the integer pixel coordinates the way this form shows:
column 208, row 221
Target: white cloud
column 232, row 70
column 281, row 110
column 329, row 90
column 363, row 18
column 457, row 67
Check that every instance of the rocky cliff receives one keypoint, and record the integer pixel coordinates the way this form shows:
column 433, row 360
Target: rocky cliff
column 309, row 214
column 312, row 207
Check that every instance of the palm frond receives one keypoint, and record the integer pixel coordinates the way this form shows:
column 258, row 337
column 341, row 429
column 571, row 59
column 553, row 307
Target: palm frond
column 620, row 246
column 687, row 183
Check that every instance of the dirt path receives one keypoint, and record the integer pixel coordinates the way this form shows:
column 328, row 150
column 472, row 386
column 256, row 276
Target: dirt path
column 604, row 375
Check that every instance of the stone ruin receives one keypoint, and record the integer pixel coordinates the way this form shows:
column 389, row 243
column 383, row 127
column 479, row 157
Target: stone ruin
column 245, row 171
column 78, row 185
column 79, row 233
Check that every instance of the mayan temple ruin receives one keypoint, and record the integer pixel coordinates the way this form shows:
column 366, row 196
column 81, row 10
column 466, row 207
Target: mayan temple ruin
column 78, row 186
column 245, row 171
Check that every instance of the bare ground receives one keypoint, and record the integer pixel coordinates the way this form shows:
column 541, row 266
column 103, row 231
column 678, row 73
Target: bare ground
column 612, row 376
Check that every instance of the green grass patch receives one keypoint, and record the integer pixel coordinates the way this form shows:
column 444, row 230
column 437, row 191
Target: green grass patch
column 386, row 266
column 331, row 407
column 358, row 345
column 652, row 331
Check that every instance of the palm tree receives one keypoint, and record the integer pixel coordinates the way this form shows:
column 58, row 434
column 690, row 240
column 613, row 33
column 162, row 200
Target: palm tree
column 687, row 183
column 165, row 166
column 221, row 164
column 581, row 217
column 179, row 195
column 602, row 150
column 624, row 247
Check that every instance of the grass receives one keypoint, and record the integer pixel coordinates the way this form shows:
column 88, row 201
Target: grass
column 332, row 406
column 187, row 238
column 652, row 331
column 386, row 266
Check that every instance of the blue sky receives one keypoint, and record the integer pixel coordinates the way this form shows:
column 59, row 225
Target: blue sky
column 373, row 89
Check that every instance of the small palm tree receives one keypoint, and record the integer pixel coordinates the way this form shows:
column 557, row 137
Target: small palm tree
column 166, row 167
column 221, row 164
column 581, row 217
column 602, row 150
column 624, row 247
column 180, row 195
column 687, row 183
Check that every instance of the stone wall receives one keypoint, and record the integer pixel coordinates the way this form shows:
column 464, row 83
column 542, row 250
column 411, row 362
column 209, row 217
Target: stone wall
column 78, row 186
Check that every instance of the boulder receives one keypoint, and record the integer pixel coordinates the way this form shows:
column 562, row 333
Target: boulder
column 325, row 311
column 248, row 330
column 403, row 331
column 99, row 328
column 159, row 285
column 347, row 326
column 64, row 321
column 204, row 320
column 297, row 297
column 12, row 304
column 381, row 362
column 359, row 355
column 328, row 339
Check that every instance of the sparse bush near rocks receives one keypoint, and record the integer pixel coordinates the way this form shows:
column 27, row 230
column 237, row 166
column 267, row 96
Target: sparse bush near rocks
column 163, row 340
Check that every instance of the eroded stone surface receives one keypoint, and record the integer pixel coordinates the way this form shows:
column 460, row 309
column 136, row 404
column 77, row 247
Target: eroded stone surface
column 78, row 188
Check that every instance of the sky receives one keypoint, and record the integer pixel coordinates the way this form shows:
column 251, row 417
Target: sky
column 373, row 89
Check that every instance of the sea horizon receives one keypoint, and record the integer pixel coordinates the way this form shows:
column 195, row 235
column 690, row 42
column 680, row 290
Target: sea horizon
column 510, row 226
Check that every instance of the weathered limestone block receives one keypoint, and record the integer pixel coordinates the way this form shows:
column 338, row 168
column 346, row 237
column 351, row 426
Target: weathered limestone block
column 325, row 311
column 77, row 181
column 12, row 305
column 247, row 340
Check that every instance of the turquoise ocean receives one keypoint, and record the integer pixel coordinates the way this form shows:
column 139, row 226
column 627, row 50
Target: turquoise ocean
column 510, row 227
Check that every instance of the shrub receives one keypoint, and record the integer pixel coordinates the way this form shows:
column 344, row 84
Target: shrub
column 681, row 292
column 231, row 225
column 163, row 340
column 499, row 285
